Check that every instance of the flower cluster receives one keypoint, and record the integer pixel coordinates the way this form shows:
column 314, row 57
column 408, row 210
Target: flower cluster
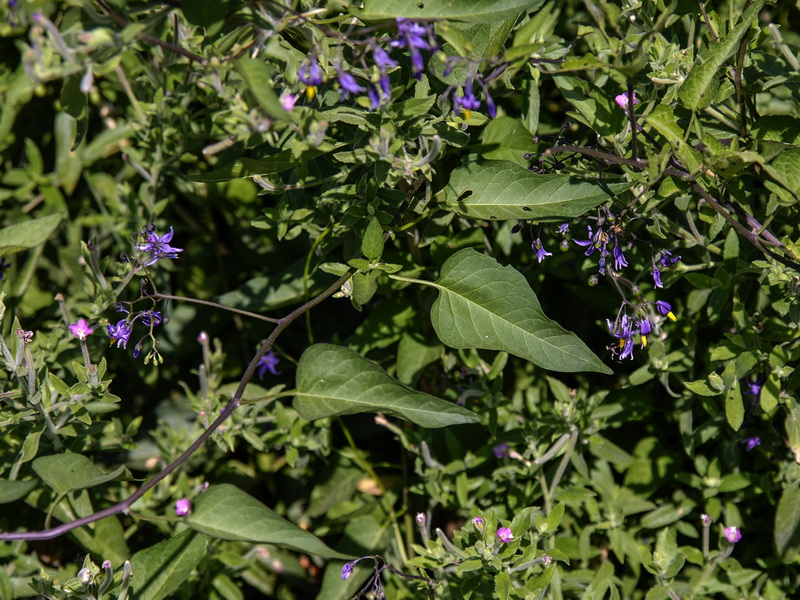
column 626, row 328
column 155, row 247
column 121, row 331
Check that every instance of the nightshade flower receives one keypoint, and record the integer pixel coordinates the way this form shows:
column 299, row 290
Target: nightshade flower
column 81, row 329
column 753, row 388
column 504, row 535
column 563, row 229
column 183, row 507
column 4, row 265
column 478, row 522
column 657, row 277
column 623, row 328
column 120, row 333
column 665, row 308
column 751, row 442
column 667, row 259
column 268, row 362
column 619, row 258
column 645, row 327
column 622, row 100
column 158, row 247
column 733, row 534
column 347, row 570
column 287, row 100
column 541, row 253
column 349, row 85
column 501, row 450
column 310, row 74
column 412, row 36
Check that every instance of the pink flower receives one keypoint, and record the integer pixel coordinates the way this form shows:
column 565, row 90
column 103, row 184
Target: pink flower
column 733, row 534
column 622, row 100
column 287, row 100
column 183, row 507
column 504, row 535
column 81, row 329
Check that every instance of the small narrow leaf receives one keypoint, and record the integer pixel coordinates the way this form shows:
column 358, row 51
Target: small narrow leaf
column 477, row 11
column 332, row 380
column 701, row 78
column 228, row 513
column 502, row 190
column 734, row 407
column 67, row 472
column 485, row 305
column 248, row 167
column 160, row 570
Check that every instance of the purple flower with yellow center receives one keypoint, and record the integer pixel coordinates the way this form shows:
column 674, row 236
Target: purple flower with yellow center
column 505, row 535
column 268, row 362
column 468, row 102
column 665, row 308
column 623, row 99
column 541, row 253
column 645, row 327
column 732, row 534
column 158, row 247
column 81, row 329
column 120, row 333
column 623, row 328
column 310, row 74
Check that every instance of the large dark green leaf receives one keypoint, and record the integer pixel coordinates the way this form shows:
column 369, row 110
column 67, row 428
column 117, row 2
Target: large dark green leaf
column 228, row 513
column 14, row 490
column 502, row 190
column 485, row 305
column 159, row 570
column 332, row 380
column 787, row 524
column 67, row 472
column 700, row 81
column 476, row 11
column 595, row 107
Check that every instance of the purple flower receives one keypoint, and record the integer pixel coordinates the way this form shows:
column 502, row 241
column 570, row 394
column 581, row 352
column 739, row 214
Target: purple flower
column 588, row 244
column 382, row 58
column 504, row 535
column 183, row 507
column 158, row 247
column 547, row 560
column 619, row 258
column 501, row 450
column 667, row 259
column 622, row 100
column 706, row 520
column 645, row 327
column 120, row 333
column 347, row 570
column 421, row 519
column 541, row 253
column 623, row 328
column 268, row 362
column 151, row 317
column 665, row 308
column 478, row 522
column 733, row 534
column 81, row 329
column 468, row 101
column 310, row 73
column 3, row 267
column 753, row 388
column 751, row 442
column 349, row 85
column 374, row 97
column 657, row 277
column 563, row 229
column 412, row 35
column 287, row 100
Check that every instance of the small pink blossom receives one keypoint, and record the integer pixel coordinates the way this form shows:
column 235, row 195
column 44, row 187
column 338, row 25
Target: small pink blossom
column 504, row 535
column 622, row 100
column 81, row 329
column 287, row 100
column 733, row 534
column 183, row 507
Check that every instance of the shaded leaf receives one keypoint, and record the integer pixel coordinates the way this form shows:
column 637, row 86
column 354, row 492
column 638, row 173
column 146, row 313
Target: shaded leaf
column 67, row 472
column 256, row 75
column 14, row 490
column 248, row 167
column 160, row 570
column 477, row 11
column 500, row 190
column 787, row 524
column 204, row 12
column 332, row 380
column 595, row 107
column 695, row 90
column 485, row 305
column 505, row 138
column 228, row 513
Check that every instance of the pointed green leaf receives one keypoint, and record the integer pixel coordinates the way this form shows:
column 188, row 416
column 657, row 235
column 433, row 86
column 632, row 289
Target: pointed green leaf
column 505, row 138
column 787, row 524
column 249, row 167
column 476, row 11
column 502, row 190
column 67, row 472
column 228, row 513
column 372, row 244
column 484, row 305
column 663, row 120
column 258, row 79
column 160, row 570
column 734, row 407
column 595, row 107
column 332, row 380
column 28, row 234
column 702, row 77
column 14, row 490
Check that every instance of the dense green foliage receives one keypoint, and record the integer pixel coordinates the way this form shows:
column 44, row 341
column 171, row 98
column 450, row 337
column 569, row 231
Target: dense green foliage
column 472, row 299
